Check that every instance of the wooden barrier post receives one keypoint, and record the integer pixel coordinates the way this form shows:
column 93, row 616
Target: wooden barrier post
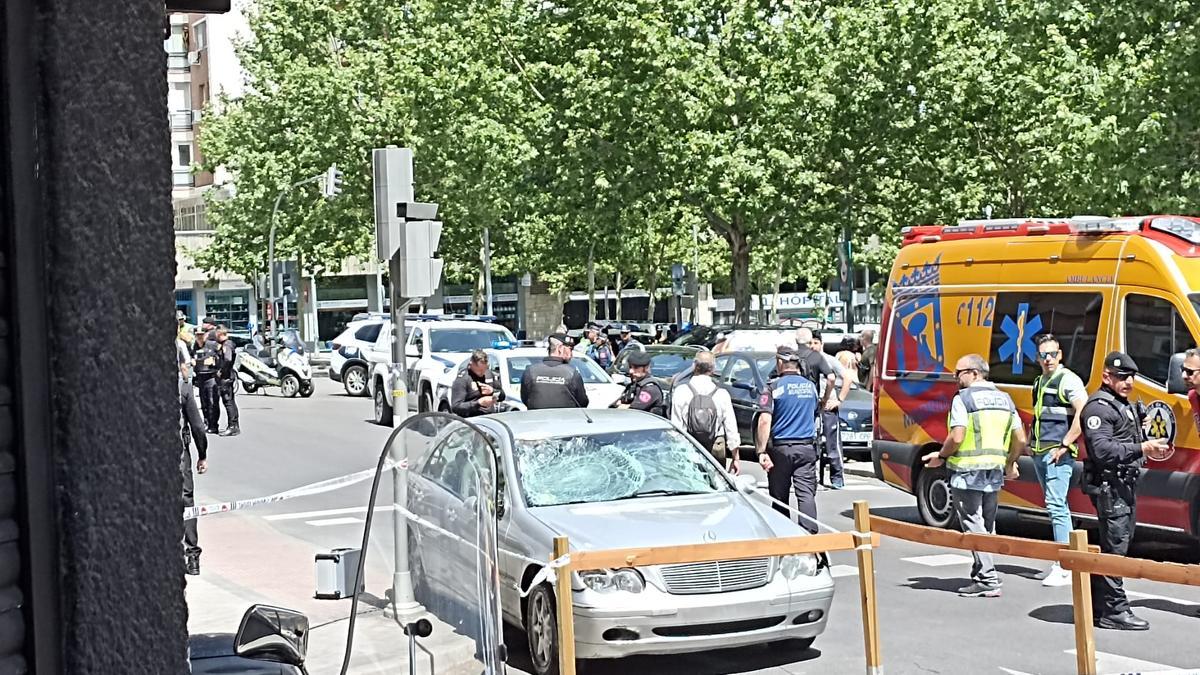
column 566, row 610
column 1081, row 593
column 866, row 582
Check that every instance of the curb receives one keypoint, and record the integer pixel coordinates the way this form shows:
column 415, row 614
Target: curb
column 861, row 469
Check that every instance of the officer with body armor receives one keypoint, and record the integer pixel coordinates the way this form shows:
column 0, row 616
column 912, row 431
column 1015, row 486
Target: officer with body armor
column 1116, row 444
column 554, row 383
column 642, row 392
column 208, row 357
column 477, row 390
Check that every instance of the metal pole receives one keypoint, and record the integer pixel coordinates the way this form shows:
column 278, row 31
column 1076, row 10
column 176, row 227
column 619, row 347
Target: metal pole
column 695, row 317
column 487, row 268
column 404, row 601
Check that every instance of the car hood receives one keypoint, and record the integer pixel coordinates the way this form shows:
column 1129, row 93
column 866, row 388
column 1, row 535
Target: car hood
column 663, row 521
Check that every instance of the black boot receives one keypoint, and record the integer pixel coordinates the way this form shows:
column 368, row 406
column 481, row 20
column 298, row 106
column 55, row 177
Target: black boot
column 232, row 430
column 1124, row 621
column 213, row 430
column 192, row 565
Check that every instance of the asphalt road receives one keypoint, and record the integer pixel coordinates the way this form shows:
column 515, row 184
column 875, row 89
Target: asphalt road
column 926, row 627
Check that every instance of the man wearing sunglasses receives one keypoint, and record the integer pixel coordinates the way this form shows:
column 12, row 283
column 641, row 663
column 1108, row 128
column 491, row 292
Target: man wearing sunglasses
column 1058, row 399
column 1115, row 447
column 1191, row 375
column 985, row 439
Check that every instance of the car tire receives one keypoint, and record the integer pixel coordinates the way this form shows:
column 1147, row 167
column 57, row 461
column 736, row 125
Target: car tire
column 426, row 404
column 383, row 411
column 307, row 389
column 250, row 387
column 935, row 501
column 541, row 630
column 354, row 380
column 289, row 385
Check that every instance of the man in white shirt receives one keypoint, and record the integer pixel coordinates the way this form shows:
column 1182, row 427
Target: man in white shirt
column 831, row 424
column 711, row 421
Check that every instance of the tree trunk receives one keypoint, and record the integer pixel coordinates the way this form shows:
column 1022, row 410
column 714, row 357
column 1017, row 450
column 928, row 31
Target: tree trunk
column 778, row 282
column 477, row 299
column 301, row 297
column 618, row 285
column 739, row 273
column 604, row 302
column 591, row 283
column 651, row 287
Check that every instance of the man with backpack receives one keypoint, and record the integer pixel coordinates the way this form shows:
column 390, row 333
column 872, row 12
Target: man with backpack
column 705, row 411
column 789, row 421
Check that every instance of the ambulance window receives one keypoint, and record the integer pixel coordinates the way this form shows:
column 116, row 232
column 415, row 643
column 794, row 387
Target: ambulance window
column 1073, row 318
column 1154, row 331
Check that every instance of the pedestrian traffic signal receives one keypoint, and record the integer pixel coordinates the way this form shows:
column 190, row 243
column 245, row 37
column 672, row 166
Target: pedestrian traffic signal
column 288, row 290
column 333, row 182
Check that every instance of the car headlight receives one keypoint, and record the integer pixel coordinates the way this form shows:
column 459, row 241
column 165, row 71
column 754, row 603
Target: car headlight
column 626, row 579
column 801, row 565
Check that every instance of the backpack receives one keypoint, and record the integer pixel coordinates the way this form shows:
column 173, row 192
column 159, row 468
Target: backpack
column 703, row 418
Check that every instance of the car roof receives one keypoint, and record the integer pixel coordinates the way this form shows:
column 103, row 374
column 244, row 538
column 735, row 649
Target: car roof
column 567, row 422
column 524, row 352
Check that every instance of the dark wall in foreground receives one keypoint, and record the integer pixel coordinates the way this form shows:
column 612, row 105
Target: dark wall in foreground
column 90, row 258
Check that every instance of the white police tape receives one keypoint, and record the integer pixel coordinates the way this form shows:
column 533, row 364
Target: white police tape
column 319, row 487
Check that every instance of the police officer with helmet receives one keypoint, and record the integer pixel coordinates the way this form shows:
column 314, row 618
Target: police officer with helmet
column 642, row 392
column 1112, row 430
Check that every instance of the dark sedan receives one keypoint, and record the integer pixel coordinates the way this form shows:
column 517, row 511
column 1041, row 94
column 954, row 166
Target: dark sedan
column 666, row 362
column 745, row 375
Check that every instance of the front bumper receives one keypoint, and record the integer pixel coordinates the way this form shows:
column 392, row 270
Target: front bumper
column 335, row 375
column 671, row 624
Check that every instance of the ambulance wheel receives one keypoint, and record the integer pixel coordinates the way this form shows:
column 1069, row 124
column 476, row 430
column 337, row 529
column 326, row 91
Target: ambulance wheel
column 935, row 502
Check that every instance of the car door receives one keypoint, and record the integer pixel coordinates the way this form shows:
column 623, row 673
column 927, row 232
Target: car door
column 741, row 381
column 413, row 351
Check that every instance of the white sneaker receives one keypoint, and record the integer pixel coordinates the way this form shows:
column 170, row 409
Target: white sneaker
column 1057, row 576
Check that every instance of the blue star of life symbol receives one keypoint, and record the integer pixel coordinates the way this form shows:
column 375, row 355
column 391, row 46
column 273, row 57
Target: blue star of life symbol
column 1020, row 334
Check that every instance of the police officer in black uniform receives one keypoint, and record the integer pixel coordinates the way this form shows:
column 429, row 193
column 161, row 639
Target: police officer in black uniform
column 642, row 392
column 554, row 383
column 477, row 390
column 1112, row 430
column 208, row 364
column 227, row 381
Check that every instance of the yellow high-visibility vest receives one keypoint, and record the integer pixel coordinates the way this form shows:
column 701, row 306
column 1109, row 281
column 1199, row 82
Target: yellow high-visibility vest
column 989, row 430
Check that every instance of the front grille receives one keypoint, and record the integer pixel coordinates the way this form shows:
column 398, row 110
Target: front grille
column 724, row 628
column 716, row 577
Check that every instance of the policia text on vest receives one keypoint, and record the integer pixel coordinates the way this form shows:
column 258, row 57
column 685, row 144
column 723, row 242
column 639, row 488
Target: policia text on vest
column 984, row 440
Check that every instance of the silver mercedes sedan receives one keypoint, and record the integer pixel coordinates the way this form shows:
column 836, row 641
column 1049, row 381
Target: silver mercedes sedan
column 621, row 478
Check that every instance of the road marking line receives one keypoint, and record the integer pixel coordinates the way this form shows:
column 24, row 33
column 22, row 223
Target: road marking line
column 302, row 515
column 1010, row 671
column 334, row 521
column 1151, row 596
column 843, row 571
column 1115, row 663
column 940, row 560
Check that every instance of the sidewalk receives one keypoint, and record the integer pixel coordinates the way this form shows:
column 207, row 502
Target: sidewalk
column 247, row 562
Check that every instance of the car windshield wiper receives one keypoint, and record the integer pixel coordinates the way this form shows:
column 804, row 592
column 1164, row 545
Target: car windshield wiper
column 662, row 493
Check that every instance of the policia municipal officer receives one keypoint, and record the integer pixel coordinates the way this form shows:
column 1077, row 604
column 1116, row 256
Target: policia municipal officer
column 1112, row 431
column 477, row 390
column 554, row 383
column 642, row 392
column 789, row 420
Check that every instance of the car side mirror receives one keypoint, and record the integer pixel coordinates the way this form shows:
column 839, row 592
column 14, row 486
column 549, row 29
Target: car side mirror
column 412, row 351
column 745, row 483
column 1175, row 383
column 272, row 634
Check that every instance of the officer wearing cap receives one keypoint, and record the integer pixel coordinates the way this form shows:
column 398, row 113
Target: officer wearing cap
column 625, row 340
column 1112, row 432
column 642, row 392
column 554, row 383
column 789, row 420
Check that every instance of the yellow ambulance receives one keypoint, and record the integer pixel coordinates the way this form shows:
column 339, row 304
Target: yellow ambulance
column 990, row 287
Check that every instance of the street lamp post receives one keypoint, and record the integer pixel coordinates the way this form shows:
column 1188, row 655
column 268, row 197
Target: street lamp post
column 333, row 180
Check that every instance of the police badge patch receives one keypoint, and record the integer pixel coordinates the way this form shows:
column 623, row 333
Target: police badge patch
column 1093, row 422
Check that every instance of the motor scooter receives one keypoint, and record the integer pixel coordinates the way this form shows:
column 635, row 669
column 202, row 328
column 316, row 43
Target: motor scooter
column 269, row 640
column 286, row 368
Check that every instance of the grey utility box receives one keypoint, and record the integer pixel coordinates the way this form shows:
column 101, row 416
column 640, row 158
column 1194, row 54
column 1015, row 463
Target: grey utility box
column 335, row 573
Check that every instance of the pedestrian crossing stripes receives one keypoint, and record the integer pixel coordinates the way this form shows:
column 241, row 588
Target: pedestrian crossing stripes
column 939, row 560
column 334, row 521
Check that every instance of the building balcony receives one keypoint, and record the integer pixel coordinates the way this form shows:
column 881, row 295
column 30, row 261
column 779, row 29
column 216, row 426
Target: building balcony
column 182, row 177
column 177, row 61
column 181, row 120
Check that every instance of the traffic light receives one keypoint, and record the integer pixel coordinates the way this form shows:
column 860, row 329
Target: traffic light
column 333, row 182
column 287, row 279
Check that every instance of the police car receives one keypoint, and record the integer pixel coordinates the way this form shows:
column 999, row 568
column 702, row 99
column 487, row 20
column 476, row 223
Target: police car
column 434, row 345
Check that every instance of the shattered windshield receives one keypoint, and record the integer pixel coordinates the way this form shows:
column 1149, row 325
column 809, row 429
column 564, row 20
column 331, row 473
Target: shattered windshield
column 608, row 467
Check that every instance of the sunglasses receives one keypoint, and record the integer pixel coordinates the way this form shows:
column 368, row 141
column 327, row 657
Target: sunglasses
column 958, row 373
column 1121, row 376
column 1047, row 355
column 1188, row 372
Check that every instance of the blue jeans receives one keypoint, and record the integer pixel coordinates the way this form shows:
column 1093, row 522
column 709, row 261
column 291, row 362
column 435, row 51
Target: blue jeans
column 1055, row 479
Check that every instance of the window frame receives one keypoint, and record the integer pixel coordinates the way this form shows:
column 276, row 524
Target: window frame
column 1100, row 334
column 1156, row 294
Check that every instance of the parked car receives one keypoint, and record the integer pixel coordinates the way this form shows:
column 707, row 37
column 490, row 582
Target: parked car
column 615, row 479
column 510, row 364
column 669, row 364
column 433, row 347
column 747, row 335
column 745, row 375
column 348, row 361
